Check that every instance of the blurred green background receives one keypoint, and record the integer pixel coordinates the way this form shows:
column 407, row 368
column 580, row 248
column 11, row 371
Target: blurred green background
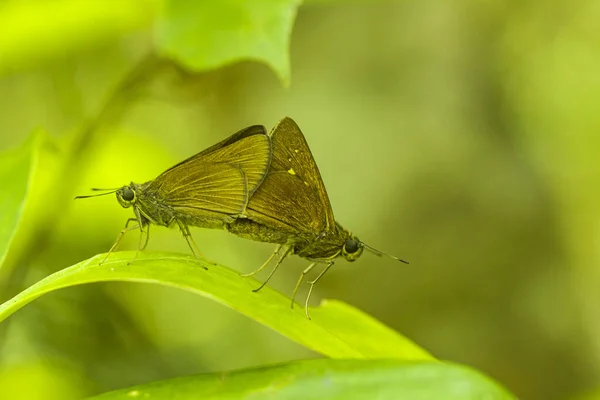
column 461, row 136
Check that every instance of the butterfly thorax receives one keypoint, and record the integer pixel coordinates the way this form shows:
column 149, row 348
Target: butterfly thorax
column 146, row 205
column 330, row 244
column 325, row 246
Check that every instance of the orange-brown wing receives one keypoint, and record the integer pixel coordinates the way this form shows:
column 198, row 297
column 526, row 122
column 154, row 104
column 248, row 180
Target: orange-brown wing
column 219, row 179
column 248, row 149
column 202, row 189
column 293, row 194
column 251, row 154
column 285, row 203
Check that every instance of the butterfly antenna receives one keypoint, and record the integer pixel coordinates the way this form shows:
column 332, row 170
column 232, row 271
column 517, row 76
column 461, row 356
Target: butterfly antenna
column 381, row 253
column 96, row 195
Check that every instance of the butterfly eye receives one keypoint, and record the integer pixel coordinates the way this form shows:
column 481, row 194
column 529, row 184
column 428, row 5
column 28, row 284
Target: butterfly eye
column 351, row 246
column 128, row 194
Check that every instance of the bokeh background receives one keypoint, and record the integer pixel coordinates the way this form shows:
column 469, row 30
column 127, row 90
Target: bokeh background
column 461, row 136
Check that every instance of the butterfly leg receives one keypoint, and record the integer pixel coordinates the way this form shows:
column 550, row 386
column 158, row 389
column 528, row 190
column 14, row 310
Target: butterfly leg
column 276, row 252
column 140, row 247
column 302, row 275
column 147, row 237
column 190, row 241
column 312, row 285
column 281, row 258
column 120, row 236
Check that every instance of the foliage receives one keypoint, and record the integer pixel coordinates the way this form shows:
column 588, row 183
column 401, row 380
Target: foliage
column 461, row 138
column 327, row 379
column 336, row 330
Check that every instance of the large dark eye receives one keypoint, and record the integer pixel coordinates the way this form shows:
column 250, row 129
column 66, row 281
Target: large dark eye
column 128, row 194
column 351, row 246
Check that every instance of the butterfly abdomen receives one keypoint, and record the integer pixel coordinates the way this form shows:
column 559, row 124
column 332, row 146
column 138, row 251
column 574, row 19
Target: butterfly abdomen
column 249, row 229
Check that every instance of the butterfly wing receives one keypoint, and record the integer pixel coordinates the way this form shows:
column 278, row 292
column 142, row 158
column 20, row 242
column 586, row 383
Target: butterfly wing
column 249, row 149
column 241, row 134
column 218, row 181
column 292, row 197
column 202, row 190
column 251, row 154
column 284, row 203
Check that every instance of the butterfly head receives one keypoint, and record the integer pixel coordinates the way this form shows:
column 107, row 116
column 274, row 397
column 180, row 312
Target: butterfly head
column 126, row 196
column 352, row 248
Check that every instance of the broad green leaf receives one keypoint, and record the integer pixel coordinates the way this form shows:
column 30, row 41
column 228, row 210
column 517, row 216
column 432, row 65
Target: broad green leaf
column 336, row 329
column 32, row 30
column 326, row 379
column 16, row 167
column 204, row 35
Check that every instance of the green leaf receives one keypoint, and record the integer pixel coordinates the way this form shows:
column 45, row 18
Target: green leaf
column 16, row 167
column 204, row 35
column 33, row 30
column 336, row 329
column 326, row 379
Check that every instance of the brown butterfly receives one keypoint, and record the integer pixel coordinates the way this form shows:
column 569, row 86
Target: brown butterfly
column 291, row 208
column 207, row 190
